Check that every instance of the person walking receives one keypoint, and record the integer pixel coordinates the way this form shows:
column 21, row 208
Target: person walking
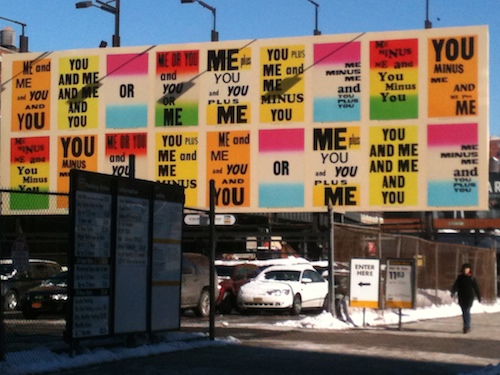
column 467, row 289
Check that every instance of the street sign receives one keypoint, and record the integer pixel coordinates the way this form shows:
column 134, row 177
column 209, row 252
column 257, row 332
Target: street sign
column 220, row 219
column 365, row 280
column 400, row 283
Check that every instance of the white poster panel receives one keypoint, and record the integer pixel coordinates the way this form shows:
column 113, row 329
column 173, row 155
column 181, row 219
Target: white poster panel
column 131, row 276
column 400, row 283
column 364, row 283
column 91, row 252
column 166, row 265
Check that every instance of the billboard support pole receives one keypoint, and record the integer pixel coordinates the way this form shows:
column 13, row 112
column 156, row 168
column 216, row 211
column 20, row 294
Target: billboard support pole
column 212, row 260
column 131, row 166
column 331, row 263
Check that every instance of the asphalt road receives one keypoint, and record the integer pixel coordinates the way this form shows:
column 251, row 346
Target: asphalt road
column 427, row 347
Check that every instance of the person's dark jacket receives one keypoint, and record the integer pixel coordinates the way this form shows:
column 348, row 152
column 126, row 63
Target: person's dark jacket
column 467, row 288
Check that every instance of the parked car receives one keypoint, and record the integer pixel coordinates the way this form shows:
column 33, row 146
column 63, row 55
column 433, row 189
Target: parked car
column 287, row 287
column 14, row 282
column 229, row 286
column 50, row 297
column 195, row 288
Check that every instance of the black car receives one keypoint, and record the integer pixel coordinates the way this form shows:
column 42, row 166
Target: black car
column 50, row 297
column 15, row 282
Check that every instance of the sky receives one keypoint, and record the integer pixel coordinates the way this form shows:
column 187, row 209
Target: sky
column 54, row 25
column 40, row 360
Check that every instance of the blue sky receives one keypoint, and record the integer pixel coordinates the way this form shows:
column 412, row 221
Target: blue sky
column 58, row 25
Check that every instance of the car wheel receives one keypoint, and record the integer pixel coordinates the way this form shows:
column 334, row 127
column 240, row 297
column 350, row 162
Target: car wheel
column 11, row 301
column 296, row 305
column 203, row 308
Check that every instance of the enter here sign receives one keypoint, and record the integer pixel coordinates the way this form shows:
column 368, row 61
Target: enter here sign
column 365, row 279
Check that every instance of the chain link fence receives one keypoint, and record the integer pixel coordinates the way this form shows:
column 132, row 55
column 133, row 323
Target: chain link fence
column 438, row 263
column 40, row 221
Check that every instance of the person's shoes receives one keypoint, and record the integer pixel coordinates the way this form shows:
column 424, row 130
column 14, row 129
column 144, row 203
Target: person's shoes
column 466, row 330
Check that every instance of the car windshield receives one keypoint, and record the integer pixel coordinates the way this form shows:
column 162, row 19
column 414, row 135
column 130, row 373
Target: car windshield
column 224, row 271
column 60, row 280
column 283, row 275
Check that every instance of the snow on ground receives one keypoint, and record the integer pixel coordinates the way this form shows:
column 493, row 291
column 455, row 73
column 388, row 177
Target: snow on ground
column 42, row 360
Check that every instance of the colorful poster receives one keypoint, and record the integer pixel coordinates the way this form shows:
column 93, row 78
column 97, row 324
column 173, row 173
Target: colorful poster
column 228, row 164
column 282, row 84
column 336, row 172
column 453, row 159
column 30, row 171
column 281, row 168
column 119, row 147
column 337, row 77
column 31, row 95
column 78, row 92
column 286, row 124
column 394, row 79
column 127, row 91
column 394, row 162
column 453, row 76
column 177, row 162
column 177, row 94
column 229, row 86
column 74, row 152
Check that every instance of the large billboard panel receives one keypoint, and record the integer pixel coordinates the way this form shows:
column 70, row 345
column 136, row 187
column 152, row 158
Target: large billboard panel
column 383, row 121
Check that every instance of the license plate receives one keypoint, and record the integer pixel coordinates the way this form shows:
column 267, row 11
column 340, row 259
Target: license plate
column 36, row 305
column 257, row 299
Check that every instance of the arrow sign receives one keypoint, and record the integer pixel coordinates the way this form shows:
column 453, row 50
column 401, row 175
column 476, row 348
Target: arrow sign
column 364, row 281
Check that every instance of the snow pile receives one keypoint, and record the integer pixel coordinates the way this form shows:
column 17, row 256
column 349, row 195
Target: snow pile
column 42, row 360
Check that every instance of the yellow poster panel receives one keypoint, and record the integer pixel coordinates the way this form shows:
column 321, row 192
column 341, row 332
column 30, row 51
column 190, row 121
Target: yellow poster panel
column 282, row 84
column 231, row 87
column 365, row 304
column 453, row 76
column 78, row 92
column 31, row 95
column 74, row 152
column 394, row 163
column 336, row 166
column 398, row 304
column 228, row 164
column 342, row 195
column 177, row 162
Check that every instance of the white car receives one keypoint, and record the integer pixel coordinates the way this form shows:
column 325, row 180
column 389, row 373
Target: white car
column 286, row 287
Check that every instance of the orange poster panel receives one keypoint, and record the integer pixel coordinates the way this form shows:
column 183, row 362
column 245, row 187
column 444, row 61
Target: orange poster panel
column 228, row 164
column 31, row 95
column 453, row 76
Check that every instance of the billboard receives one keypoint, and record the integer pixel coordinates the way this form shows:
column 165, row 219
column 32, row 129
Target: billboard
column 383, row 121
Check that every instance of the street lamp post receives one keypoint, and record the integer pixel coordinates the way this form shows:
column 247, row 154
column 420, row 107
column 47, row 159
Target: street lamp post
column 214, row 34
column 115, row 10
column 316, row 8
column 428, row 24
column 23, row 39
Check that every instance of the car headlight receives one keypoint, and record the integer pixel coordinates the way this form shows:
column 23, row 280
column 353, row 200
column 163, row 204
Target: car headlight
column 278, row 292
column 59, row 297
